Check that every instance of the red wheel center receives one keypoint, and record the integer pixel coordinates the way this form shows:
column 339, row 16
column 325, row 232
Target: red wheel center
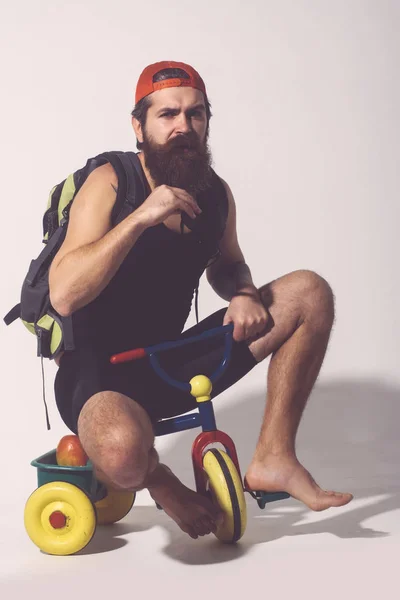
column 57, row 519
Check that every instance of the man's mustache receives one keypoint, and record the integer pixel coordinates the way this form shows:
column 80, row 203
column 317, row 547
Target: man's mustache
column 190, row 142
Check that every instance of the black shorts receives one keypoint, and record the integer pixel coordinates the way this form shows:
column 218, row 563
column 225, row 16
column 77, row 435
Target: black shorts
column 87, row 371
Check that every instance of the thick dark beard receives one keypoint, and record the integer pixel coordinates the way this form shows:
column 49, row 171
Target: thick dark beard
column 183, row 162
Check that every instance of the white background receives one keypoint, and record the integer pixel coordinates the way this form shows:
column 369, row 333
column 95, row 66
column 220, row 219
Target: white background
column 305, row 97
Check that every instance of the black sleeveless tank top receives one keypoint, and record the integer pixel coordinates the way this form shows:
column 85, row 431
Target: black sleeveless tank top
column 150, row 297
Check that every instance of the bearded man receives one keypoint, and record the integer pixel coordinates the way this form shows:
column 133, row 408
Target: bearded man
column 132, row 285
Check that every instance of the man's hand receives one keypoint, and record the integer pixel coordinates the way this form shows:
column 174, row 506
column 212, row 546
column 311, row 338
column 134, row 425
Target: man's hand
column 165, row 201
column 248, row 314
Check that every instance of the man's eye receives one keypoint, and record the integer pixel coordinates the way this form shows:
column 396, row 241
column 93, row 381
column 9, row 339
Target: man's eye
column 167, row 114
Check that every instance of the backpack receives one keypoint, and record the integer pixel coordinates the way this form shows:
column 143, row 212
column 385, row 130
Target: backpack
column 54, row 332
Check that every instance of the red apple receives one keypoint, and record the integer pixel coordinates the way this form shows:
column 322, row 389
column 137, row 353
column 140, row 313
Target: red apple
column 70, row 452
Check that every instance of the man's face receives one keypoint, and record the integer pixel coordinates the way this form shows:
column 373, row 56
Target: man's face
column 175, row 138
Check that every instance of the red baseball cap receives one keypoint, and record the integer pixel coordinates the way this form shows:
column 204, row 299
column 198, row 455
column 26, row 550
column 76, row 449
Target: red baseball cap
column 146, row 85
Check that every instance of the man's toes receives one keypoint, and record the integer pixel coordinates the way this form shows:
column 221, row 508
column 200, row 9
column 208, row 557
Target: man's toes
column 328, row 499
column 345, row 498
column 340, row 496
column 190, row 531
column 203, row 526
column 211, row 524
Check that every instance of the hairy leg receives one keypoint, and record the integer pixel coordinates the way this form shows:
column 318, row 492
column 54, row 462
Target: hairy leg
column 118, row 437
column 301, row 308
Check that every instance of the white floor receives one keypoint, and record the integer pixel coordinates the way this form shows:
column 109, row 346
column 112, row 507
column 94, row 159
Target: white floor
column 349, row 441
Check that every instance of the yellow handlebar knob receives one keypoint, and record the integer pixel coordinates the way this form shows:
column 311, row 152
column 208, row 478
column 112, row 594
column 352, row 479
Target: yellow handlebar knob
column 201, row 388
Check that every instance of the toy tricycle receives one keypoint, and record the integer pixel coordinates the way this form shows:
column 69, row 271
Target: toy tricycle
column 61, row 515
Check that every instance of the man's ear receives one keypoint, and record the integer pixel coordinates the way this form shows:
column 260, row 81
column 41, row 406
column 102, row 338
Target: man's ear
column 137, row 129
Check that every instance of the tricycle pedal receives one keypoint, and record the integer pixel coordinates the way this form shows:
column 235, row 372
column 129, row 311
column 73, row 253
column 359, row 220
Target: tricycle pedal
column 264, row 498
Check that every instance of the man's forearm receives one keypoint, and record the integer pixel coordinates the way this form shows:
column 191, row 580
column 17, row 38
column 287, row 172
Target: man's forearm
column 232, row 280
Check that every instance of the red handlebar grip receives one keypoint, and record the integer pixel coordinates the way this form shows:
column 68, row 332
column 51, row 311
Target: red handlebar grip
column 127, row 356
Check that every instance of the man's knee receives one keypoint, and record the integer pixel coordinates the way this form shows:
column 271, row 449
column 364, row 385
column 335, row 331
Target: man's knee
column 118, row 438
column 316, row 297
column 127, row 461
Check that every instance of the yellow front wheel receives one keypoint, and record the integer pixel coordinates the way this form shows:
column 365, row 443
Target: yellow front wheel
column 114, row 506
column 226, row 490
column 59, row 518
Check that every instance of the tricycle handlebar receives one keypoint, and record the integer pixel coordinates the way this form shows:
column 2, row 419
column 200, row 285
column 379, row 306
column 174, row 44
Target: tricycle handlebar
column 138, row 353
column 151, row 351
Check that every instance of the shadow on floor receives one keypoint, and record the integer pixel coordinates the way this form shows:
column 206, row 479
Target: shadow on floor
column 348, row 440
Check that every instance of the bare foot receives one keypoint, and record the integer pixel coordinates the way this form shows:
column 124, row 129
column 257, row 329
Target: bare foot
column 284, row 473
column 195, row 514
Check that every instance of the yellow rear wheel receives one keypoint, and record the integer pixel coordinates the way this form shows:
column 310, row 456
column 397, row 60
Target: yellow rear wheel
column 226, row 490
column 60, row 518
column 114, row 507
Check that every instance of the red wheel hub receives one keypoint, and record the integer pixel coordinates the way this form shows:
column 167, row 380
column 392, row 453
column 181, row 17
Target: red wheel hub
column 57, row 519
column 200, row 443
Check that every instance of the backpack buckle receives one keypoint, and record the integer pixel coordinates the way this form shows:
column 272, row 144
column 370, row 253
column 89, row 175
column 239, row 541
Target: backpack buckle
column 43, row 341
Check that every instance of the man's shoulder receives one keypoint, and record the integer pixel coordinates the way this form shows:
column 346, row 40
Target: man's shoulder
column 105, row 173
column 219, row 181
column 223, row 184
